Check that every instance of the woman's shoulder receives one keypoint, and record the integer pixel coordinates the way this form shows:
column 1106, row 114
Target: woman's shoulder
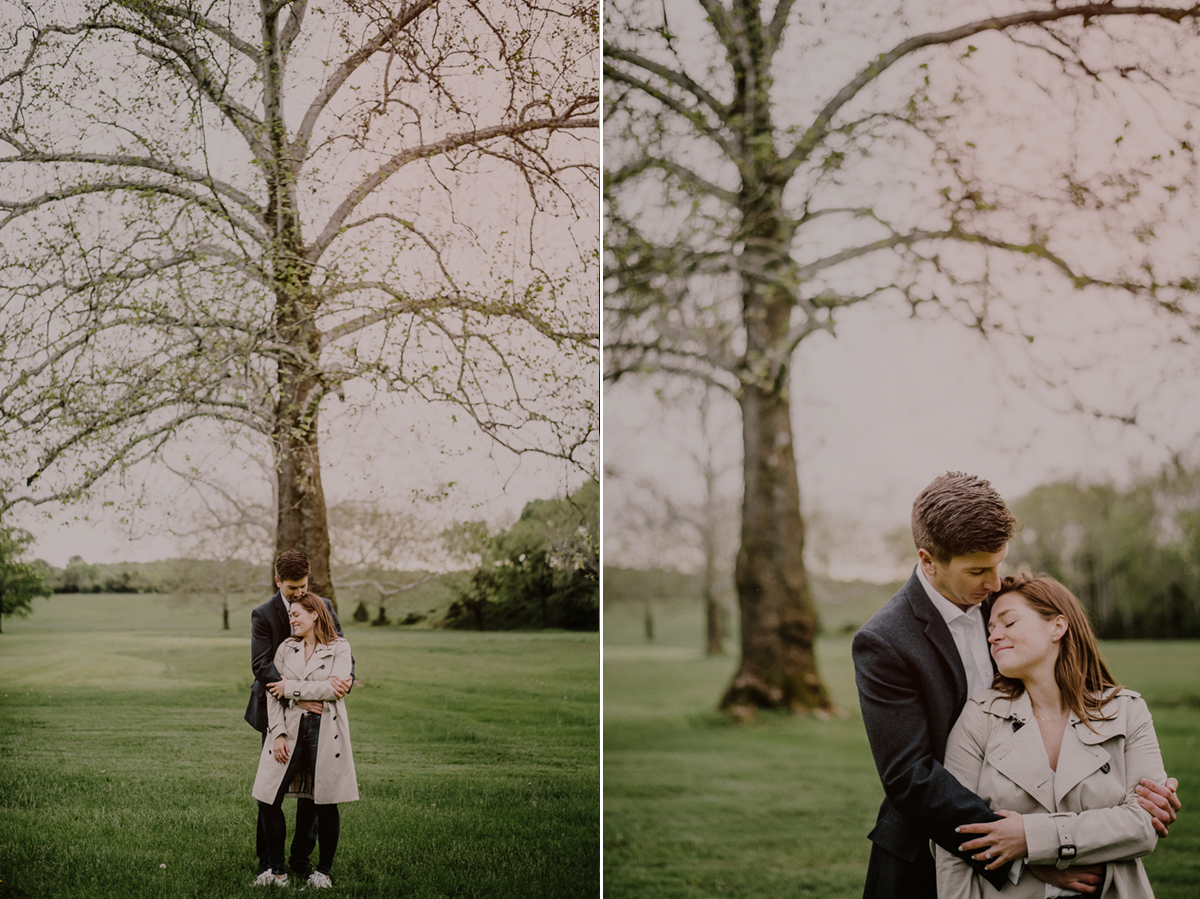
column 339, row 644
column 1124, row 702
column 986, row 705
column 991, row 702
column 989, row 708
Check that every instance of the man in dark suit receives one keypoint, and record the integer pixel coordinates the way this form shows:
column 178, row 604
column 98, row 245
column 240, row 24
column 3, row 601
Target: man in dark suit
column 916, row 663
column 269, row 627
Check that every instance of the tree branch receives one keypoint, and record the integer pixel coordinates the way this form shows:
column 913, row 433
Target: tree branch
column 820, row 128
column 679, row 79
column 405, row 16
column 427, row 151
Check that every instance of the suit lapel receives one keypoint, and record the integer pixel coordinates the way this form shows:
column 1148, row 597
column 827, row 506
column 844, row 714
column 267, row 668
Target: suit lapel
column 939, row 636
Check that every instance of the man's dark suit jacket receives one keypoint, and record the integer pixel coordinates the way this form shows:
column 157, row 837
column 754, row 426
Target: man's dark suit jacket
column 911, row 688
column 269, row 626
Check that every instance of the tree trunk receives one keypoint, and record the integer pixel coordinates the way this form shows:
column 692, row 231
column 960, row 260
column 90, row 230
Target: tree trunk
column 302, row 525
column 779, row 620
column 712, row 608
column 712, row 613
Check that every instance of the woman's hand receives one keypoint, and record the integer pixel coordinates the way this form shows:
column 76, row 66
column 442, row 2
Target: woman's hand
column 999, row 842
column 280, row 750
column 278, row 688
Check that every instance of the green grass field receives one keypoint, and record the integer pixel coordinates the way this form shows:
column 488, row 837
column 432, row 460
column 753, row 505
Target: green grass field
column 697, row 807
column 123, row 750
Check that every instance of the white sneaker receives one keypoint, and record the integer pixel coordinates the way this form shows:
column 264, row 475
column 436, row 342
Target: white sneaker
column 268, row 878
column 317, row 880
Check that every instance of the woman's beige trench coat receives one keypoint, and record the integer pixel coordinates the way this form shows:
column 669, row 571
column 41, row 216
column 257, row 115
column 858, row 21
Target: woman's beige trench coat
column 335, row 780
column 1089, row 802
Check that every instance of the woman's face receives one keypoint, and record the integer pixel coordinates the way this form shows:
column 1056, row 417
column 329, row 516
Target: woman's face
column 302, row 620
column 1023, row 643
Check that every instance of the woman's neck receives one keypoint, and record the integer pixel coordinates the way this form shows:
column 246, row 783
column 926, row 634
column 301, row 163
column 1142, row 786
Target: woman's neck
column 1045, row 697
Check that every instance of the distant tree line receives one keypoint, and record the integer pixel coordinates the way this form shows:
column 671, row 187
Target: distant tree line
column 1131, row 555
column 123, row 577
column 543, row 572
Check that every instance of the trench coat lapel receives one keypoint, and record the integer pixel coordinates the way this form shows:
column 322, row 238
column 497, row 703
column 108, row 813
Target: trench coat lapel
column 1022, row 756
column 293, row 661
column 322, row 657
column 1081, row 755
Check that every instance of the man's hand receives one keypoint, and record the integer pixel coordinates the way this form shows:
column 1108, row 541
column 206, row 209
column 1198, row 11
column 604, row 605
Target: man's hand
column 277, row 689
column 1085, row 879
column 279, row 749
column 341, row 685
column 1161, row 801
column 313, row 706
column 1001, row 841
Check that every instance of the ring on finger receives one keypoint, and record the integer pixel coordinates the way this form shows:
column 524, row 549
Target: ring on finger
column 987, row 853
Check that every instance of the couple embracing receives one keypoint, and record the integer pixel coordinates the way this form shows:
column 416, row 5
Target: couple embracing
column 302, row 670
column 1013, row 763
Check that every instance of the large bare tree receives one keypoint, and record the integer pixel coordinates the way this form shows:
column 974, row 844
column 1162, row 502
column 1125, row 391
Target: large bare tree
column 771, row 165
column 217, row 216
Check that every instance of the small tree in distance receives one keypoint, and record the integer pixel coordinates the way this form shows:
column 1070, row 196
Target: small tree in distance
column 20, row 582
column 543, row 571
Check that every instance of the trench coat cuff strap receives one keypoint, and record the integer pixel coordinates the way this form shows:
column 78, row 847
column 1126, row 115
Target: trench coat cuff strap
column 1042, row 838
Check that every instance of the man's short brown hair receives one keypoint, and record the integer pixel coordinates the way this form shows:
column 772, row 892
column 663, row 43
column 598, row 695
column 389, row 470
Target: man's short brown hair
column 291, row 566
column 959, row 514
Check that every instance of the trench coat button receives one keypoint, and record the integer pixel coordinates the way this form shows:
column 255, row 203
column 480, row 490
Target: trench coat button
column 335, row 736
column 337, row 755
column 1106, row 768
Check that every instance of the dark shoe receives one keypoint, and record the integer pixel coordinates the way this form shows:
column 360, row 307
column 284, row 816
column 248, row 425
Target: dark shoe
column 302, row 868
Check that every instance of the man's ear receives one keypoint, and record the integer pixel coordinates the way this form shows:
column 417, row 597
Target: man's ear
column 927, row 563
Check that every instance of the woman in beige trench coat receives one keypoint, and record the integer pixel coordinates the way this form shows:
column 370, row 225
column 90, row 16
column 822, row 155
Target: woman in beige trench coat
column 1059, row 747
column 310, row 754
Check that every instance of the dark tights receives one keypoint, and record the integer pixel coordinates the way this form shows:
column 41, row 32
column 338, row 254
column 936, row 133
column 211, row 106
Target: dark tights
column 304, row 758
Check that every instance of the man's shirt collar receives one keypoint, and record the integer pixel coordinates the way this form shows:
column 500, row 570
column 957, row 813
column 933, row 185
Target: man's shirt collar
column 948, row 610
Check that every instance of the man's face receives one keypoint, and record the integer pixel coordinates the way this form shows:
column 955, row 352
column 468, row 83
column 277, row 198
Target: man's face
column 964, row 580
column 290, row 588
